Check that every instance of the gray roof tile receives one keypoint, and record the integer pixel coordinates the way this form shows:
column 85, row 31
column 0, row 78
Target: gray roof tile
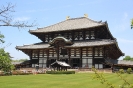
column 76, row 44
column 70, row 24
column 93, row 43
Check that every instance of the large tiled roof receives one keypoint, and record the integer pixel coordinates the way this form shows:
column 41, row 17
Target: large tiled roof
column 125, row 62
column 76, row 44
column 34, row 46
column 92, row 43
column 70, row 24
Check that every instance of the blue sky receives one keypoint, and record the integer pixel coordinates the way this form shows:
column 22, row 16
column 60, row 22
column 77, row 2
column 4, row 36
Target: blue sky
column 117, row 13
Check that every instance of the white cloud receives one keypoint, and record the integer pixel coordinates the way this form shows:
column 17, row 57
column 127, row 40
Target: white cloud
column 124, row 40
column 21, row 19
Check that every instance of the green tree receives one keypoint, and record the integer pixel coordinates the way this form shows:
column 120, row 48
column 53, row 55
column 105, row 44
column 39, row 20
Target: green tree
column 5, row 61
column 21, row 60
column 128, row 58
column 131, row 23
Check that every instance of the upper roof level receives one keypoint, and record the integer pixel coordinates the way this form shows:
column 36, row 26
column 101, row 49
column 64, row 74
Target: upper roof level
column 70, row 24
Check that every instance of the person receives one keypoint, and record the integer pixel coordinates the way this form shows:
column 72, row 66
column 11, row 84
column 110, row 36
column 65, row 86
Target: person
column 37, row 67
column 34, row 72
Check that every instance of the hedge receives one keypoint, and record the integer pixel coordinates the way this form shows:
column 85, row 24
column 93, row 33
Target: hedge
column 60, row 72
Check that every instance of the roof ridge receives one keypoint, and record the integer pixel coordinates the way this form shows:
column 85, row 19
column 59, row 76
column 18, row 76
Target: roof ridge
column 88, row 19
column 76, row 18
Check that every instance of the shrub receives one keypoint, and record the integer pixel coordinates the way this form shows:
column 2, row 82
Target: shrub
column 60, row 72
column 121, row 71
column 129, row 70
column 16, row 72
column 19, row 73
column 1, row 73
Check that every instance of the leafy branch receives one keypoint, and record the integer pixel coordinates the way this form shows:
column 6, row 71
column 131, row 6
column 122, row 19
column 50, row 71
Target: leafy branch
column 99, row 76
column 131, row 23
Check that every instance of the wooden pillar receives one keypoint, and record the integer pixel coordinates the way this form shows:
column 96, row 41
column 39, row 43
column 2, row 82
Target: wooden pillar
column 38, row 53
column 84, row 35
column 47, row 62
column 93, row 54
column 69, row 58
column 66, row 68
column 57, row 49
column 104, row 55
column 80, row 57
column 30, row 56
column 72, row 36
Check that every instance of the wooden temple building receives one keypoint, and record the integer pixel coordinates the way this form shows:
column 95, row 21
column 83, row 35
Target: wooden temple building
column 80, row 42
column 59, row 65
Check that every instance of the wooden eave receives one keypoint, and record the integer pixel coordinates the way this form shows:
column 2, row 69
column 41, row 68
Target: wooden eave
column 75, row 44
column 115, row 54
column 126, row 65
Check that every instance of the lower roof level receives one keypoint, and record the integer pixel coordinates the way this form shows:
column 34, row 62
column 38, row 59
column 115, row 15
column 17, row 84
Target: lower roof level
column 75, row 44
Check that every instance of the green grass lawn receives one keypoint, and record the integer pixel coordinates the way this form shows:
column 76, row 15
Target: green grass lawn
column 79, row 80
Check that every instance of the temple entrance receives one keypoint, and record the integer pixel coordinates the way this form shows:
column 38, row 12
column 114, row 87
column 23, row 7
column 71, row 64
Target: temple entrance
column 76, row 63
column 52, row 61
column 64, row 60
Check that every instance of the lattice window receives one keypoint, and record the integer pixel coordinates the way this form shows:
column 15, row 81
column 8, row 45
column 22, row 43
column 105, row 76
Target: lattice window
column 87, row 35
column 101, row 52
column 65, row 35
column 92, row 35
column 76, row 36
column 84, row 62
column 33, row 65
column 96, row 52
column 41, row 53
column 51, row 53
column 89, row 51
column 72, row 52
column 50, row 39
column 80, row 36
column 55, row 35
column 35, row 54
column 63, row 51
column 46, row 38
column 90, row 65
column 41, row 61
column 45, row 54
column 100, row 65
column 55, row 54
column 96, row 66
column 70, row 36
column 77, row 53
column 84, row 52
